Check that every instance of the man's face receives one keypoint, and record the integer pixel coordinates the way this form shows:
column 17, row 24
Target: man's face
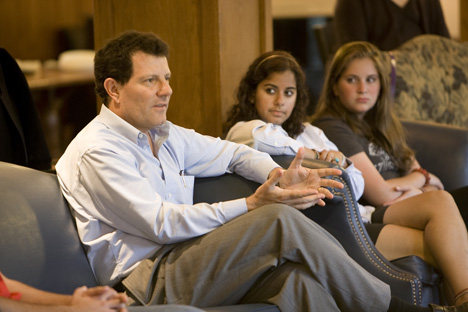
column 144, row 99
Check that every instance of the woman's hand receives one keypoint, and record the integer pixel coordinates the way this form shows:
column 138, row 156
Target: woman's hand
column 406, row 192
column 336, row 157
column 435, row 182
column 101, row 298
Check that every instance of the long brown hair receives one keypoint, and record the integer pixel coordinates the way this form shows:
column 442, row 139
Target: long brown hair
column 380, row 124
column 263, row 66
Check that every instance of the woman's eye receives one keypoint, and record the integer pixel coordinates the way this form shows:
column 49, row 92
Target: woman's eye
column 270, row 91
column 289, row 93
column 372, row 79
column 351, row 79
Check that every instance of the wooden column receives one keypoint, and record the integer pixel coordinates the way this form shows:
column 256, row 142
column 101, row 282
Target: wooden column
column 212, row 43
column 463, row 20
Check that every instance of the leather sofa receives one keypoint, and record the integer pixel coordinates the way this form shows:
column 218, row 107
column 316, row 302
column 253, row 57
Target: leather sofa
column 40, row 246
column 441, row 149
column 39, row 243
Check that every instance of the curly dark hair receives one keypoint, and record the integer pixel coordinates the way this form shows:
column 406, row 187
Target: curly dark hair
column 264, row 66
column 114, row 60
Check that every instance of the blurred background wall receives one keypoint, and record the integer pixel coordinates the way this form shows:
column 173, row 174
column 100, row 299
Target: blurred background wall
column 30, row 29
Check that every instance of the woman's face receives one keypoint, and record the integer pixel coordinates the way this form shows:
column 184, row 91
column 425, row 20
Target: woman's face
column 359, row 86
column 275, row 97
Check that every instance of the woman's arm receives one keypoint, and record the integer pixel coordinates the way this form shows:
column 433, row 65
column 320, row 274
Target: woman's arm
column 103, row 299
column 378, row 191
column 264, row 137
column 34, row 295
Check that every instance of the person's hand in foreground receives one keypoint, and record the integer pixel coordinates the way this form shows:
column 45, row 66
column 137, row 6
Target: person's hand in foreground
column 101, row 298
column 297, row 186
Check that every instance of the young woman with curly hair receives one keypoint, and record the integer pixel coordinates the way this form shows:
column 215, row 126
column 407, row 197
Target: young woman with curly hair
column 269, row 116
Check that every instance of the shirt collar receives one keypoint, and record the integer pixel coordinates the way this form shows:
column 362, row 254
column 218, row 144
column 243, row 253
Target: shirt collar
column 158, row 134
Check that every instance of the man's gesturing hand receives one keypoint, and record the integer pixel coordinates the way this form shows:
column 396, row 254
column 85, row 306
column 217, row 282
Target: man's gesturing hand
column 298, row 187
column 298, row 177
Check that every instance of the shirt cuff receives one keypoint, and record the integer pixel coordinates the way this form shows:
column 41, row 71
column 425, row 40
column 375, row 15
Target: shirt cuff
column 235, row 208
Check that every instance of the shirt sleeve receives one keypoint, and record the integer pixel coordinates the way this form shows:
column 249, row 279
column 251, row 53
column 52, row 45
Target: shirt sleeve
column 340, row 134
column 276, row 141
column 350, row 21
column 436, row 19
column 148, row 199
column 111, row 189
column 347, row 143
column 265, row 137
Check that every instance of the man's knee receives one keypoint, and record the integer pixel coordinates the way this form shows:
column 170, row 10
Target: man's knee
column 279, row 211
column 286, row 216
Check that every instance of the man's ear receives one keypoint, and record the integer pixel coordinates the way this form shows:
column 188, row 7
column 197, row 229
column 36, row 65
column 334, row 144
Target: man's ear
column 113, row 89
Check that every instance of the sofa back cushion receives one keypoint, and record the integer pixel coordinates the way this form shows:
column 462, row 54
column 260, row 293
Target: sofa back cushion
column 39, row 244
column 432, row 80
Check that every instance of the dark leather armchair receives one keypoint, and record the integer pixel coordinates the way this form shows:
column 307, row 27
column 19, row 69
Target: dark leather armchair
column 22, row 140
column 40, row 246
column 441, row 149
column 417, row 284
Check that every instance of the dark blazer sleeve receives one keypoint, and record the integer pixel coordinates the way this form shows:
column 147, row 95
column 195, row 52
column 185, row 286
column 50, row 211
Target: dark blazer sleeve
column 350, row 21
column 23, row 141
column 433, row 18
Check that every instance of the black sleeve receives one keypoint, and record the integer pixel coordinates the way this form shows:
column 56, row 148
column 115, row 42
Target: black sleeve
column 341, row 134
column 350, row 21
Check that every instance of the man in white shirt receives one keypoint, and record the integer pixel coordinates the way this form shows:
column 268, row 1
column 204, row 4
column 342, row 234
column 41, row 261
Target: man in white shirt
column 128, row 176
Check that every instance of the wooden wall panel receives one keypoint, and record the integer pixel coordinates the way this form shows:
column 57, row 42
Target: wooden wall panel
column 28, row 28
column 463, row 20
column 212, row 42
column 241, row 41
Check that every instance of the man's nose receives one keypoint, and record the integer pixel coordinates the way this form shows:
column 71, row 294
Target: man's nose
column 165, row 89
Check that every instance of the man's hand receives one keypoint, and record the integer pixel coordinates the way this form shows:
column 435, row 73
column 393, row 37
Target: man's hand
column 270, row 193
column 299, row 187
column 298, row 177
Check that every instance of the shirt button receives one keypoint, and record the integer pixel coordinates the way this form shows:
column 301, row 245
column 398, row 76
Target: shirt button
column 140, row 135
column 276, row 143
column 169, row 195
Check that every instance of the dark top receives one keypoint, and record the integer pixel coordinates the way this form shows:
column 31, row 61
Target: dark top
column 350, row 144
column 385, row 24
column 22, row 140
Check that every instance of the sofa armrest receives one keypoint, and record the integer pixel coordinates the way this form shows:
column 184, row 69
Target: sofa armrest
column 39, row 243
column 340, row 217
column 441, row 149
